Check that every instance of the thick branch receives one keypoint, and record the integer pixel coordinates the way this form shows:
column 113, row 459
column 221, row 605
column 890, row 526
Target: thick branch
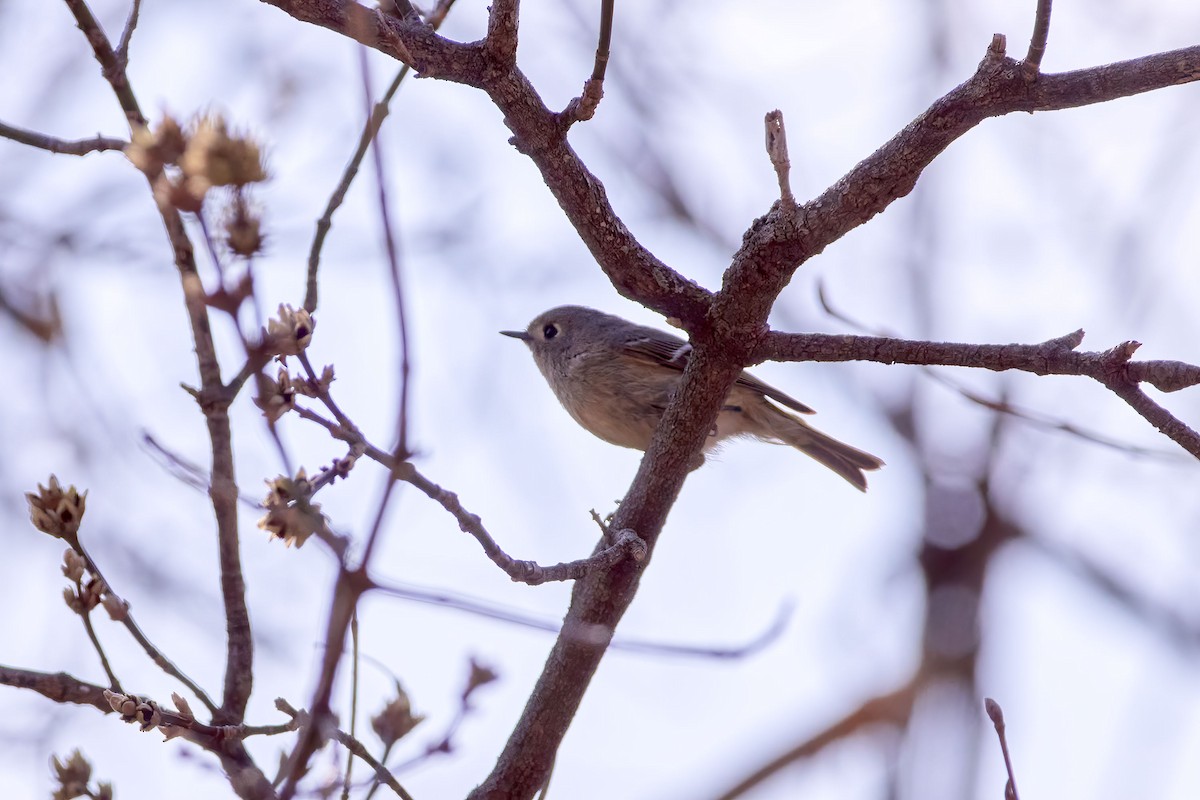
column 1055, row 357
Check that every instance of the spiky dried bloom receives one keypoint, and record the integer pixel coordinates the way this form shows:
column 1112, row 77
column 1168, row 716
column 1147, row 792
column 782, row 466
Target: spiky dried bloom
column 56, row 511
column 72, row 776
column 291, row 514
column 396, row 720
column 219, row 158
column 290, row 330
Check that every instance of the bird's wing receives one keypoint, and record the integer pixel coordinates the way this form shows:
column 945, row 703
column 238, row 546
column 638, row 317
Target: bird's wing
column 671, row 351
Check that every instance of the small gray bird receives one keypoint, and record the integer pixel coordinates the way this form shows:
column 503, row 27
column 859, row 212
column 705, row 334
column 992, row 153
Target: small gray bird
column 615, row 378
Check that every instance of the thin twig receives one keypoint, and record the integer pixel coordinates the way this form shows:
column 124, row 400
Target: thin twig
column 160, row 660
column 77, row 147
column 584, row 106
column 996, row 714
column 122, row 51
column 111, row 66
column 489, row 610
column 374, row 122
column 521, row 571
column 401, row 452
column 86, row 617
column 1037, row 42
column 382, row 773
column 349, row 775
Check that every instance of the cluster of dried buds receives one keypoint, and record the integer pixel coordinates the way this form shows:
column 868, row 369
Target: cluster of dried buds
column 141, row 710
column 277, row 396
column 185, row 164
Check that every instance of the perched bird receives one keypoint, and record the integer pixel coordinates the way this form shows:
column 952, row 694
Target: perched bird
column 616, row 378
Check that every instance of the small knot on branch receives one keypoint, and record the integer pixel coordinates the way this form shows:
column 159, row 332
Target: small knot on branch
column 777, row 151
column 1068, row 342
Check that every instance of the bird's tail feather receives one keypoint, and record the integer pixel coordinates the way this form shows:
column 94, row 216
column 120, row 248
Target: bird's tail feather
column 847, row 461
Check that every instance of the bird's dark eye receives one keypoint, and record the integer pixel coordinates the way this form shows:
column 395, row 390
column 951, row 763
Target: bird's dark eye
column 550, row 331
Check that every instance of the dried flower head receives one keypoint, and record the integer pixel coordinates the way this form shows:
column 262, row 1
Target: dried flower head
column 291, row 514
column 55, row 511
column 219, row 158
column 72, row 776
column 151, row 150
column 396, row 720
column 290, row 330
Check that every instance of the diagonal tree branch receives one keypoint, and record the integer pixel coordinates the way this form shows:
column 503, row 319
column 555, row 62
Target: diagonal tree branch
column 213, row 397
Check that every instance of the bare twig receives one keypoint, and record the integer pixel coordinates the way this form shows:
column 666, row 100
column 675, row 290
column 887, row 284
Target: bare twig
column 122, row 52
column 1037, row 42
column 996, row 714
column 156, row 655
column 113, row 683
column 521, row 571
column 488, row 610
column 378, row 114
column 584, row 106
column 77, row 147
column 382, row 773
column 348, row 774
column 401, row 452
column 112, row 67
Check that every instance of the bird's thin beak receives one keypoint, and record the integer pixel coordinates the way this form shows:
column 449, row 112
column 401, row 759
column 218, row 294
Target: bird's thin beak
column 522, row 335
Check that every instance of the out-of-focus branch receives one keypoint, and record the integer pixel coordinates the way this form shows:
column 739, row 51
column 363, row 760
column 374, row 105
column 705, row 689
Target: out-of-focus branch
column 76, row 147
column 893, row 709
